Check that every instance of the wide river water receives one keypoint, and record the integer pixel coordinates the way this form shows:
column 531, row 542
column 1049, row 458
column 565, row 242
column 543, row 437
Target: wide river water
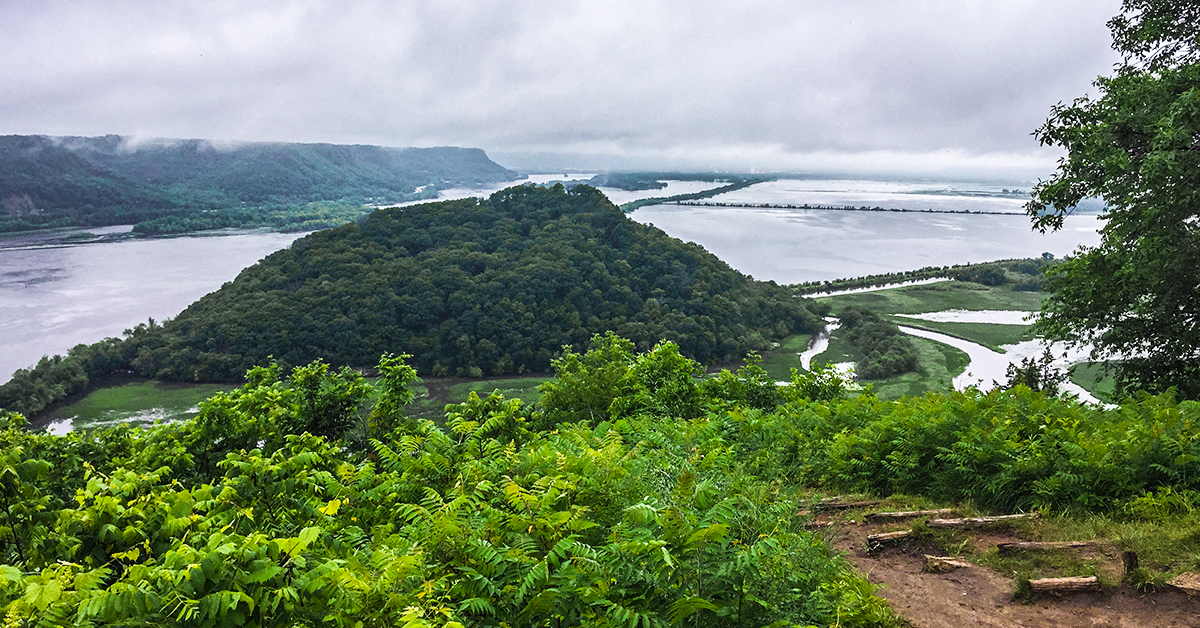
column 54, row 297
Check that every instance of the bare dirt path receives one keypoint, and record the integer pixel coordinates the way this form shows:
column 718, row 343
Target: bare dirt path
column 978, row 596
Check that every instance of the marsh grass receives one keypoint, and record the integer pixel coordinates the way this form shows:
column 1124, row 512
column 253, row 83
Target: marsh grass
column 989, row 335
column 937, row 365
column 936, row 297
column 779, row 362
column 129, row 401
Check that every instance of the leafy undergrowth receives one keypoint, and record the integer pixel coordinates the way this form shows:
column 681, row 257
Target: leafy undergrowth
column 637, row 491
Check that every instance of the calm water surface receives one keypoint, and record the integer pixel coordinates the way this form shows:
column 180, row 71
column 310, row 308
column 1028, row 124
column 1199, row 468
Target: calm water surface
column 791, row 246
column 53, row 298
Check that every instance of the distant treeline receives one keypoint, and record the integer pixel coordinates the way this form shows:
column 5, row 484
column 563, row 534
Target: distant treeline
column 468, row 288
column 634, row 181
column 735, row 184
column 849, row 208
column 174, row 186
column 1021, row 274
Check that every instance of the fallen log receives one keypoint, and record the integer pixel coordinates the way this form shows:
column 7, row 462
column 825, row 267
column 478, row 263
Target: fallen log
column 1065, row 585
column 1030, row 546
column 1188, row 582
column 833, row 505
column 909, row 514
column 942, row 564
column 887, row 537
column 977, row 521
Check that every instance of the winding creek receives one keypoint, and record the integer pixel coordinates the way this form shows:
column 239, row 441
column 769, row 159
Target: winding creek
column 987, row 367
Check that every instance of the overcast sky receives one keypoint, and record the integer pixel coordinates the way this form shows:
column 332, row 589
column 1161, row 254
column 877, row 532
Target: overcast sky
column 940, row 87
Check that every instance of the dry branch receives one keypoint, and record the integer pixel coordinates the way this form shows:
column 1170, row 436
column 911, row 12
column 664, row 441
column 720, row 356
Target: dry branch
column 942, row 564
column 835, row 505
column 976, row 521
column 1188, row 582
column 910, row 514
column 887, row 537
column 1065, row 585
column 1012, row 548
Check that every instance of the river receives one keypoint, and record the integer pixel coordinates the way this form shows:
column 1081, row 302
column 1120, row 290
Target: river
column 56, row 296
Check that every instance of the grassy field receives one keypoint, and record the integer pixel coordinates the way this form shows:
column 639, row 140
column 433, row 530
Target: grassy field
column 938, row 364
column 936, row 297
column 139, row 402
column 779, row 362
column 989, row 335
column 1091, row 376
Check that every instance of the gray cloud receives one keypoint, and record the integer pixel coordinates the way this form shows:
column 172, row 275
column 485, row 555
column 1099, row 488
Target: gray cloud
column 780, row 85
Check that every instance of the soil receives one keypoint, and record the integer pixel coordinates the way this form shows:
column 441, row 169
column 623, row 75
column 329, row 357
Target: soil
column 979, row 596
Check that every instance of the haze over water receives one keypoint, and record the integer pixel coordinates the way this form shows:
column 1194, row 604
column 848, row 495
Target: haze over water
column 798, row 245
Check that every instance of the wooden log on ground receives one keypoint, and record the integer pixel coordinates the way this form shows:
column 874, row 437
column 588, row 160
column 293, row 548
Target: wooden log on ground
column 1012, row 548
column 977, row 521
column 943, row 564
column 1065, row 585
column 908, row 514
column 1188, row 582
column 887, row 537
column 833, row 505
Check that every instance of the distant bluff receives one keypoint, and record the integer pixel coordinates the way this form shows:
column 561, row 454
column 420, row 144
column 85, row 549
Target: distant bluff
column 91, row 181
column 475, row 287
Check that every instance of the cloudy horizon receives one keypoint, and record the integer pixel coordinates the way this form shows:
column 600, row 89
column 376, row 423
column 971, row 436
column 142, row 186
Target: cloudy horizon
column 925, row 89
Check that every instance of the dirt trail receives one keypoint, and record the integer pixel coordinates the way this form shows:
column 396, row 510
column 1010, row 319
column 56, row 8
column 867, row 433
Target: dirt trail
column 978, row 596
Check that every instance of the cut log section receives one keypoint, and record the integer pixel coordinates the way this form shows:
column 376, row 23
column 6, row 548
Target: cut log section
column 942, row 564
column 887, row 537
column 1188, row 582
column 977, row 521
column 1065, row 585
column 1012, row 548
column 909, row 514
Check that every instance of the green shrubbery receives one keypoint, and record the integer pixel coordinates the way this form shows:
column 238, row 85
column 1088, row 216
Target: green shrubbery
column 235, row 519
column 638, row 493
column 885, row 349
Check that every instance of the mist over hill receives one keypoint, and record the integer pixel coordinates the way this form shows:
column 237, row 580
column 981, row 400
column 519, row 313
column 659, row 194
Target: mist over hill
column 195, row 184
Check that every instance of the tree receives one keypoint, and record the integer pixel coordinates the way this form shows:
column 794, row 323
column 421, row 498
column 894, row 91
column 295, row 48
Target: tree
column 1135, row 298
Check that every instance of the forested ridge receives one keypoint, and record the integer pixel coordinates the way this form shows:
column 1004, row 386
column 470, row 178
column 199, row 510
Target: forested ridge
column 193, row 184
column 475, row 287
column 468, row 288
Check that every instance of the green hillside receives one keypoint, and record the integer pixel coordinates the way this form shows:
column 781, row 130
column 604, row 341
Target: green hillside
column 468, row 288
column 173, row 186
column 477, row 287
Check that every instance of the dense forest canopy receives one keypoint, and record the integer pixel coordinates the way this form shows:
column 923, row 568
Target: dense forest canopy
column 1134, row 298
column 468, row 288
column 89, row 181
column 475, row 287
